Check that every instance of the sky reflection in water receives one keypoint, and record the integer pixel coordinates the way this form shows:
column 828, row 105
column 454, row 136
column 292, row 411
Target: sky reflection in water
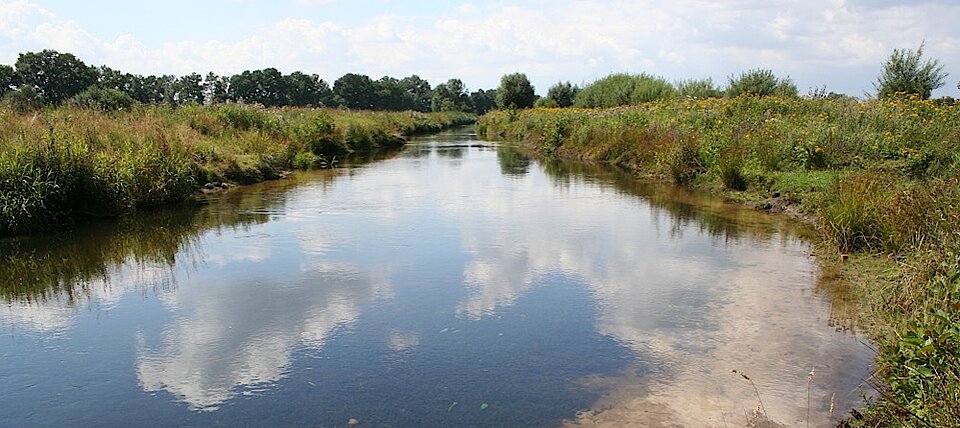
column 452, row 284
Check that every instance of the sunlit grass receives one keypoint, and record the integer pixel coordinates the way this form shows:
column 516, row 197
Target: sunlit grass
column 60, row 164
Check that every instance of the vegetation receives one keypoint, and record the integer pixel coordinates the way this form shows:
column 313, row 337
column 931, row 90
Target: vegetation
column 906, row 72
column 761, row 83
column 515, row 92
column 451, row 96
column 624, row 89
column 52, row 78
column 57, row 165
column 560, row 95
column 881, row 179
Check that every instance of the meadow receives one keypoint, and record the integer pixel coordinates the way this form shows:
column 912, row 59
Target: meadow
column 66, row 164
column 880, row 179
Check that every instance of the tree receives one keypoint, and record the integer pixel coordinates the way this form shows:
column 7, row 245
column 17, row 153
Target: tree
column 307, row 90
column 761, row 83
column 451, row 96
column 484, row 100
column 215, row 88
column 266, row 87
column 390, row 95
column 906, row 72
column 56, row 76
column 8, row 79
column 189, row 89
column 515, row 91
column 562, row 94
column 356, row 91
column 419, row 92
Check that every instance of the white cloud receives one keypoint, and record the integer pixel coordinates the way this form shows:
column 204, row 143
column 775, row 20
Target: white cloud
column 840, row 43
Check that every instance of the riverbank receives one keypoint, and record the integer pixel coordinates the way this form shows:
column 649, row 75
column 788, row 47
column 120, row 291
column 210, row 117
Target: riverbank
column 880, row 179
column 59, row 166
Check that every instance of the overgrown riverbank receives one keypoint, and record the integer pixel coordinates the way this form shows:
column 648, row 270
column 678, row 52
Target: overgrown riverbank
column 59, row 165
column 881, row 179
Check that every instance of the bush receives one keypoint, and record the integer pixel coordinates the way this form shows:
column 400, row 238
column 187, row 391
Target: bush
column 624, row 89
column 23, row 99
column 761, row 83
column 102, row 99
column 697, row 88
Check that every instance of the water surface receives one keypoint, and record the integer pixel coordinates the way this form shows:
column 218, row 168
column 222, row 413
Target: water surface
column 456, row 283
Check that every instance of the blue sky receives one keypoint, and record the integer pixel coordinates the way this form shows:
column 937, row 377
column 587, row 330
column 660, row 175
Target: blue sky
column 839, row 44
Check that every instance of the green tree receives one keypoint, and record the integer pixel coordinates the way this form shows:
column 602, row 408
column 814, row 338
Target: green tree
column 906, row 71
column 761, row 83
column 390, row 95
column 563, row 94
column 9, row 79
column 307, row 90
column 418, row 91
column 515, row 91
column 451, row 96
column 266, row 87
column 216, row 88
column 189, row 89
column 356, row 91
column 483, row 100
column 55, row 76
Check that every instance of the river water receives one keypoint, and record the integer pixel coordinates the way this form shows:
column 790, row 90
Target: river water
column 455, row 283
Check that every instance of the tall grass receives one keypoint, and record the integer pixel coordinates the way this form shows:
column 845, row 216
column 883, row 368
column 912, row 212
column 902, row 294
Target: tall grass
column 61, row 164
column 880, row 177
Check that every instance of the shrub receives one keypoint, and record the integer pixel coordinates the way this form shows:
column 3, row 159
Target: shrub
column 102, row 99
column 624, row 89
column 760, row 83
column 697, row 88
column 23, row 99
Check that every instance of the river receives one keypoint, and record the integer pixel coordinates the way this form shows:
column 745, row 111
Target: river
column 455, row 283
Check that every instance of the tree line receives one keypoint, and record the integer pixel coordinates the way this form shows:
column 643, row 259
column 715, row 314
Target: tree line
column 50, row 77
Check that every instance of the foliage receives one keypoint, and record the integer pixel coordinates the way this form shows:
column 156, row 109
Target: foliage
column 102, row 99
column 760, row 83
column 515, row 91
column 355, row 91
column 56, row 76
column 483, row 100
column 624, row 89
column 562, row 94
column 906, row 72
column 698, row 88
column 451, row 96
column 9, row 79
column 23, row 99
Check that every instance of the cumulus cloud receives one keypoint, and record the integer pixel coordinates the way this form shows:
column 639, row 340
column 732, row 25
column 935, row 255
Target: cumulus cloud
column 839, row 43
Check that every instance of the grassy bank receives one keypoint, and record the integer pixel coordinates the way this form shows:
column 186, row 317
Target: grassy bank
column 62, row 164
column 881, row 179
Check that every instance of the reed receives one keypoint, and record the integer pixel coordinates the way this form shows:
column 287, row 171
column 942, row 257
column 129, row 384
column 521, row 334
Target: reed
column 60, row 165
